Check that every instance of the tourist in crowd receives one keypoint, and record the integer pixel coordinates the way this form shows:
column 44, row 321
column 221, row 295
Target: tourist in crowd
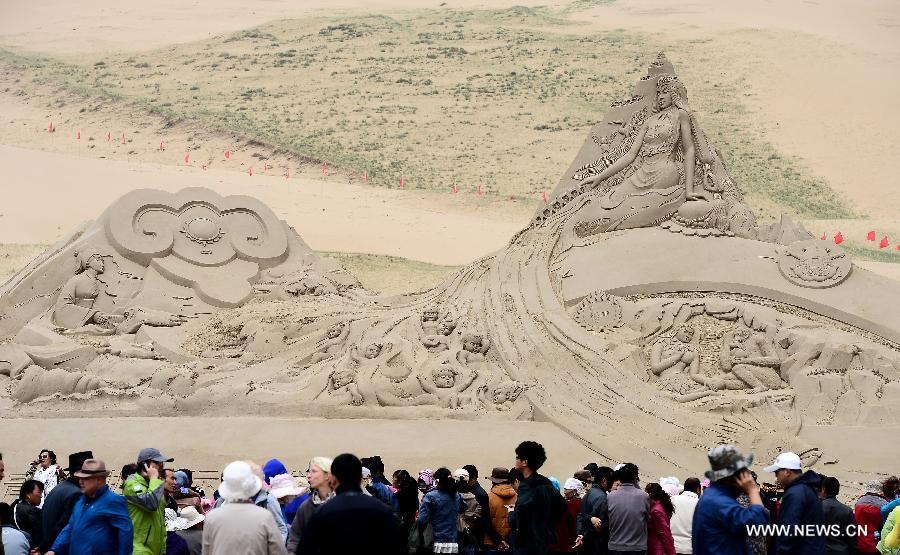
column 539, row 505
column 628, row 508
column 100, row 522
column 407, row 494
column 266, row 500
column 45, row 470
column 440, row 507
column 759, row 543
column 482, row 497
column 593, row 521
column 376, row 467
column 379, row 491
column 837, row 514
column 800, row 505
column 289, row 494
column 567, row 527
column 192, row 529
column 170, row 487
column 684, row 504
column 184, row 493
column 59, row 504
column 425, row 481
column 890, row 488
column 145, row 493
column 469, row 520
column 175, row 544
column 27, row 512
column 12, row 540
column 2, row 468
column 659, row 532
column 127, row 472
column 890, row 533
column 867, row 511
column 318, row 474
column 351, row 522
column 720, row 522
column 501, row 498
column 272, row 468
column 239, row 525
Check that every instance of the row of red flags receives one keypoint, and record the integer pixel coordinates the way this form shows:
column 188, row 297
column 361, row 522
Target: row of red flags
column 870, row 236
column 227, row 154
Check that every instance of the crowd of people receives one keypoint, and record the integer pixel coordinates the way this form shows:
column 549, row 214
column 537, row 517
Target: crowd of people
column 348, row 505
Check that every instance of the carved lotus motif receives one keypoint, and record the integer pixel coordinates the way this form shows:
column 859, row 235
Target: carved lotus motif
column 599, row 311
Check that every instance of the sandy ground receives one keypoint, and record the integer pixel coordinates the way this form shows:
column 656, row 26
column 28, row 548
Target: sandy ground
column 330, row 216
column 413, row 445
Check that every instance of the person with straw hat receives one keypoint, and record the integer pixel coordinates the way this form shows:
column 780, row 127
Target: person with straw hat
column 100, row 522
column 192, row 529
column 239, row 525
column 720, row 522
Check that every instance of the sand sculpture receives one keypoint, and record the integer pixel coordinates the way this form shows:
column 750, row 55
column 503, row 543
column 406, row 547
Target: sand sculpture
column 643, row 309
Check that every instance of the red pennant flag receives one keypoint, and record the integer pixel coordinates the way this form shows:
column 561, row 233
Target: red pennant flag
column 187, row 159
column 78, row 136
column 838, row 238
column 123, row 137
column 453, row 189
column 478, row 189
column 227, row 154
column 324, row 168
column 250, row 172
column 108, row 136
column 823, row 237
column 50, row 128
column 544, row 197
column 288, row 174
column 884, row 242
column 366, row 176
column 203, row 167
column 401, row 180
column 162, row 145
column 870, row 236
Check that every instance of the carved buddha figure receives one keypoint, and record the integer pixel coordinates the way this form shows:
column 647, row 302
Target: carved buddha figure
column 677, row 363
column 752, row 359
column 75, row 304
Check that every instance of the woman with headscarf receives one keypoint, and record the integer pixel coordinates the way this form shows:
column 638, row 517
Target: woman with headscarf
column 319, row 477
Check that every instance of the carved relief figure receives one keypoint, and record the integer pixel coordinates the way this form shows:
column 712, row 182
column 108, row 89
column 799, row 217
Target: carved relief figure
column 75, row 304
column 342, row 387
column 501, row 396
column 676, row 361
column 429, row 322
column 474, row 349
column 659, row 167
column 332, row 342
column 440, row 341
column 447, row 383
column 751, row 358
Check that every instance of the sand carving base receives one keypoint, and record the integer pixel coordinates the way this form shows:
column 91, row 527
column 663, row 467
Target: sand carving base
column 665, row 337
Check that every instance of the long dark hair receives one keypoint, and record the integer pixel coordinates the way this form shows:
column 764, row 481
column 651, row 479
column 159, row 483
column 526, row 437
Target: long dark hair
column 444, row 479
column 656, row 493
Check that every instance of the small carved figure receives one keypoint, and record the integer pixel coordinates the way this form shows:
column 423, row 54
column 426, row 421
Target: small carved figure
column 447, row 383
column 342, row 387
column 305, row 286
column 501, row 396
column 474, row 349
column 331, row 344
column 377, row 356
column 752, row 359
column 676, row 362
column 429, row 322
column 440, row 341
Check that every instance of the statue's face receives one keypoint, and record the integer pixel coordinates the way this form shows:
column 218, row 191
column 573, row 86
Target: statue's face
column 445, row 328
column 335, row 331
column 742, row 334
column 473, row 345
column 430, row 316
column 685, row 335
column 664, row 99
column 373, row 350
column 96, row 263
column 342, row 378
column 444, row 378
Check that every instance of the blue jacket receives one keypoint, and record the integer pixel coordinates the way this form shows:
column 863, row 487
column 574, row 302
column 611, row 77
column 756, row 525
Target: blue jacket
column 385, row 494
column 98, row 525
column 887, row 508
column 720, row 523
column 801, row 506
column 442, row 510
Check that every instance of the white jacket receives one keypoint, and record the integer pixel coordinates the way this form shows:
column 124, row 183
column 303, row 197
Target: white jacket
column 681, row 522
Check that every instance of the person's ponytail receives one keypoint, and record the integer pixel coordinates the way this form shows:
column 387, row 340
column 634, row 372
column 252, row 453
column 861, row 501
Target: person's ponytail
column 444, row 479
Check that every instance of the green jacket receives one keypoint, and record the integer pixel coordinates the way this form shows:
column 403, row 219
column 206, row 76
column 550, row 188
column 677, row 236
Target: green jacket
column 889, row 526
column 146, row 506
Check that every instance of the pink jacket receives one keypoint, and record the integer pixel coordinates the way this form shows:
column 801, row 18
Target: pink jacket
column 659, row 535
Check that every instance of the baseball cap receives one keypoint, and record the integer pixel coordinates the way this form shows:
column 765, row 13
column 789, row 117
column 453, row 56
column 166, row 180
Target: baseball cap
column 152, row 454
column 787, row 461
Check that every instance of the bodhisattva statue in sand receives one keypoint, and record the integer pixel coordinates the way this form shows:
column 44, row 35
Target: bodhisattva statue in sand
column 752, row 359
column 74, row 309
column 676, row 362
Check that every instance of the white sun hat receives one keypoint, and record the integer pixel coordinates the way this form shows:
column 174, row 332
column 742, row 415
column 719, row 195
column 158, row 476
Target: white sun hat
column 239, row 482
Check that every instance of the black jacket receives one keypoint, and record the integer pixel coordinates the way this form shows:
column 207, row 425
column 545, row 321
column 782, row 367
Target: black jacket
column 57, row 510
column 28, row 519
column 836, row 513
column 539, row 506
column 594, row 504
column 352, row 522
column 485, row 521
column 801, row 506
